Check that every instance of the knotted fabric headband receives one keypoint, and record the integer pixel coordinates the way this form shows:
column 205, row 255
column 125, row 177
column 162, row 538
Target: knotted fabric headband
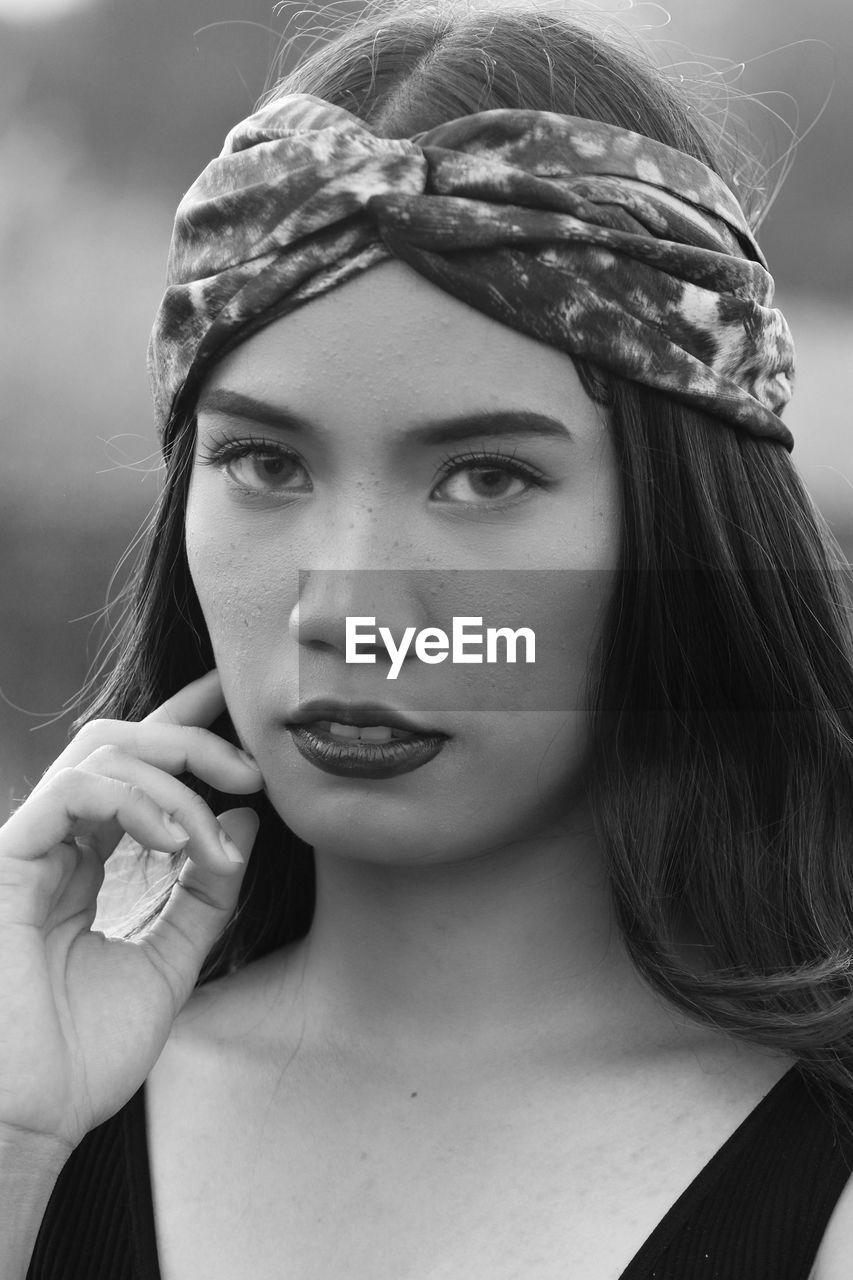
column 595, row 239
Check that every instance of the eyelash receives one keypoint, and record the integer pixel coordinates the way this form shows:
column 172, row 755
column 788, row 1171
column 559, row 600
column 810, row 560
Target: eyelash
column 220, row 454
column 453, row 462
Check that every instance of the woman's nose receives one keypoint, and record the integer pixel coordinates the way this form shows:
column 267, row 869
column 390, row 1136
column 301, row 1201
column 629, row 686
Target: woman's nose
column 365, row 563
column 377, row 597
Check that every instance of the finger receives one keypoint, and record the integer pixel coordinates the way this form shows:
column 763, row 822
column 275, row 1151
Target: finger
column 200, row 906
column 208, row 843
column 200, row 702
column 197, row 703
column 73, row 804
column 174, row 748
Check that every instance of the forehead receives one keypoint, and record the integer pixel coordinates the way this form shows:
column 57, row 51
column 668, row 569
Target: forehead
column 390, row 340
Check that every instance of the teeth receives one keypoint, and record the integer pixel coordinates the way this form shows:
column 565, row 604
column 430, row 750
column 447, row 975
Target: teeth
column 352, row 732
column 376, row 733
column 344, row 730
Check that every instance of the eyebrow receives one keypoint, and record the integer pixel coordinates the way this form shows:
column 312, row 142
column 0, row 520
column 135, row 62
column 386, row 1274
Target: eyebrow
column 479, row 422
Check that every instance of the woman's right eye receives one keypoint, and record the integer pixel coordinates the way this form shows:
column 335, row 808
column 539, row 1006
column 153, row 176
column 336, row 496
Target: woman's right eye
column 259, row 467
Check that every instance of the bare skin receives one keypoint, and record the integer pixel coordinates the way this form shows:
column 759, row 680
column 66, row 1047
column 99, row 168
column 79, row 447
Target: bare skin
column 535, row 1157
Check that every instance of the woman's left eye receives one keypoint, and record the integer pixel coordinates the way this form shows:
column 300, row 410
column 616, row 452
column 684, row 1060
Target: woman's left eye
column 480, row 477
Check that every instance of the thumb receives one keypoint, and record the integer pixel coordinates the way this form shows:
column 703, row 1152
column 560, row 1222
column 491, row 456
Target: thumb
column 200, row 906
column 242, row 826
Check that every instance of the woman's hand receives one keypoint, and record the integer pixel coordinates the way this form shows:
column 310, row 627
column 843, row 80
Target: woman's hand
column 83, row 1018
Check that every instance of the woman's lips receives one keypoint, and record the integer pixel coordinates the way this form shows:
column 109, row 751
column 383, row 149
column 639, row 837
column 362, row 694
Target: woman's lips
column 374, row 751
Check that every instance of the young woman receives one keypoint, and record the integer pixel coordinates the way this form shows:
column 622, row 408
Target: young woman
column 537, row 969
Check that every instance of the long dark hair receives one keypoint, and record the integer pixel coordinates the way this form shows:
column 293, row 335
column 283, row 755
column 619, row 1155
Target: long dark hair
column 721, row 769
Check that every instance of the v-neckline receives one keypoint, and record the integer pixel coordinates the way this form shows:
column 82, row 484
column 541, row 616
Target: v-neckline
column 144, row 1233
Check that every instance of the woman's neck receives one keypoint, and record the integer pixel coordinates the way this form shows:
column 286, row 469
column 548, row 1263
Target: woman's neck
column 492, row 951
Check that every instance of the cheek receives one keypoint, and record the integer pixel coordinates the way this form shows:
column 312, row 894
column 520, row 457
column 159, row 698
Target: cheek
column 234, row 583
column 556, row 615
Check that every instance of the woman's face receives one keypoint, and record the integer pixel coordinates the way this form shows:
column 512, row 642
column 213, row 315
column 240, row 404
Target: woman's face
column 331, row 482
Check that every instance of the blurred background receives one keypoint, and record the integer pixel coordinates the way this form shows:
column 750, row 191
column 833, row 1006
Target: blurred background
column 110, row 108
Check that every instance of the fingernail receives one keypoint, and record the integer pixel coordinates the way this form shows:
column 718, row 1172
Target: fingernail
column 250, row 760
column 175, row 829
column 230, row 849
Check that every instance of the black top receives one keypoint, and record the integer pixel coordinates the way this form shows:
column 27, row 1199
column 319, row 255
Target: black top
column 756, row 1211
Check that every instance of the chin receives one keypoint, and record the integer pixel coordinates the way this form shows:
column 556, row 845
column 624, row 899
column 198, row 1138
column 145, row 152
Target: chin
column 368, row 836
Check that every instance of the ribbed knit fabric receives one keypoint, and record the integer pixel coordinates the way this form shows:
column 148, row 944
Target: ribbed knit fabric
column 757, row 1211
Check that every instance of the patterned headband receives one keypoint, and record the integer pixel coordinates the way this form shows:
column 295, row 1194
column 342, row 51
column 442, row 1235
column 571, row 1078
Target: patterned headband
column 592, row 238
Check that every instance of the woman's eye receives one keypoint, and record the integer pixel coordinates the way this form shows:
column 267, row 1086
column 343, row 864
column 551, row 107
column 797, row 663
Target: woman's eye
column 480, row 479
column 258, row 467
